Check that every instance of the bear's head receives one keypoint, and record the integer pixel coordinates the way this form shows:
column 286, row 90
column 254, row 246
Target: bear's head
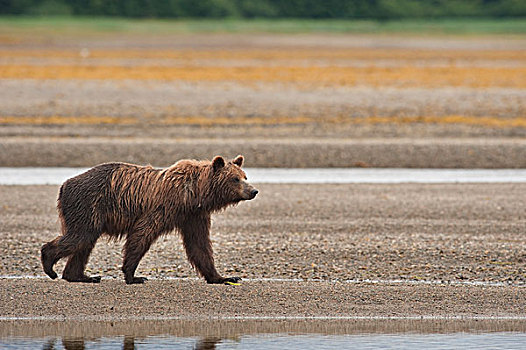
column 230, row 181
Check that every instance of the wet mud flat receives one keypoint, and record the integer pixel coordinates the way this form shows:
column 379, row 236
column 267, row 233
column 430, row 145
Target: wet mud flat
column 302, row 250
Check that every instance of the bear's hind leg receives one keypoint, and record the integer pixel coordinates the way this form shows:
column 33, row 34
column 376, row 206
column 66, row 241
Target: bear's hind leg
column 55, row 250
column 74, row 270
column 49, row 257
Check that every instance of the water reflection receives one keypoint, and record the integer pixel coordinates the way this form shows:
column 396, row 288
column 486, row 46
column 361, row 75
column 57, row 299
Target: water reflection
column 243, row 334
column 465, row 341
column 67, row 343
column 80, row 344
column 128, row 343
column 207, row 343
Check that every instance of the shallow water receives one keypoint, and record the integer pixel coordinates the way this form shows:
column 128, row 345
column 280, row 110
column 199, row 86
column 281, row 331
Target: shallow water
column 56, row 176
column 236, row 334
column 282, row 341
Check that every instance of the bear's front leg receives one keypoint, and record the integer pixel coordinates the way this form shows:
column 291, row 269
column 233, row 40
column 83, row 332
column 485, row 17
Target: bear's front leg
column 196, row 239
column 137, row 244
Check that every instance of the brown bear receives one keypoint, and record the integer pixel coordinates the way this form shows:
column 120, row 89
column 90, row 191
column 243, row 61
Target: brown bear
column 141, row 203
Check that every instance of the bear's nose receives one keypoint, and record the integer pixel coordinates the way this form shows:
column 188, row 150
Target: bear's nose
column 254, row 192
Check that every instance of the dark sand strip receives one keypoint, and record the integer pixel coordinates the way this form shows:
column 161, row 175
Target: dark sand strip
column 288, row 153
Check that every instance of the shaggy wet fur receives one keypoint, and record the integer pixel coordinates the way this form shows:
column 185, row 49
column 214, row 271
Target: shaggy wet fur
column 140, row 203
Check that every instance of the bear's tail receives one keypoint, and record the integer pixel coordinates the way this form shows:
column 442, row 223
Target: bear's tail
column 61, row 211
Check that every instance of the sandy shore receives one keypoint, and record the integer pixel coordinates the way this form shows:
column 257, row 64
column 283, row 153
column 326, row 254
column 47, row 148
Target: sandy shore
column 113, row 300
column 316, row 238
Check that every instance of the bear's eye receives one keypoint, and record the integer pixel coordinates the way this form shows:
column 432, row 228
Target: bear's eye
column 236, row 179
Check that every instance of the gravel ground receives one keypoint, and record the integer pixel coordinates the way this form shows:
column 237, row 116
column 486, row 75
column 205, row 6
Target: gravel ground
column 451, row 234
column 192, row 299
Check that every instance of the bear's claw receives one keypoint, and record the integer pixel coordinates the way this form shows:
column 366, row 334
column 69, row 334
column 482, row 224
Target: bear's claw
column 232, row 281
column 137, row 280
column 52, row 274
column 95, row 279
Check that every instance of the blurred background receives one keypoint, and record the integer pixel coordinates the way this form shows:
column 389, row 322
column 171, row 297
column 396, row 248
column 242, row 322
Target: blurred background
column 387, row 83
column 348, row 9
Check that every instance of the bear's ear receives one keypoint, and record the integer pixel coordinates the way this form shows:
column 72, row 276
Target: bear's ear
column 238, row 161
column 218, row 163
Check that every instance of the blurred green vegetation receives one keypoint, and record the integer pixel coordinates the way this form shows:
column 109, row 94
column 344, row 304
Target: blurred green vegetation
column 313, row 9
column 69, row 24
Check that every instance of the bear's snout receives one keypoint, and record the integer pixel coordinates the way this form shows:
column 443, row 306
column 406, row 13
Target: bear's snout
column 249, row 193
